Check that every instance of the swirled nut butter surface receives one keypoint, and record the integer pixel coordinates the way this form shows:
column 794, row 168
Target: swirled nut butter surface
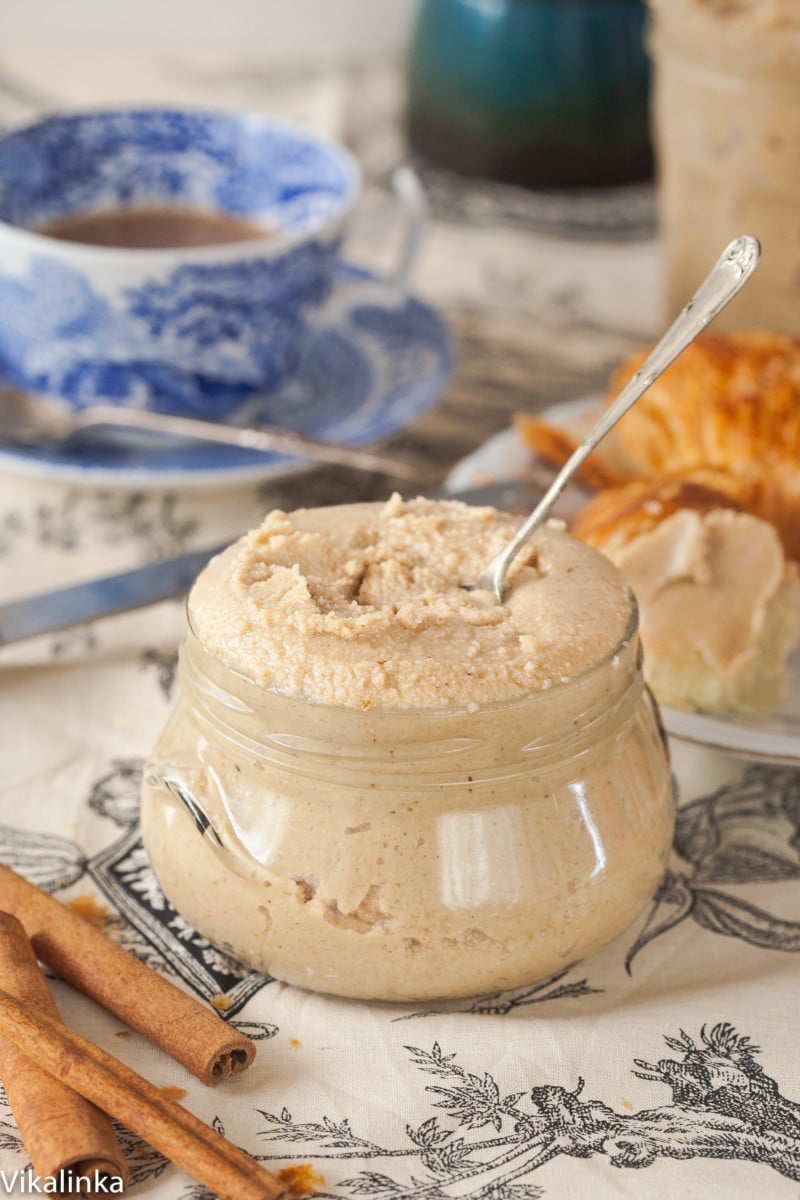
column 365, row 604
column 378, row 784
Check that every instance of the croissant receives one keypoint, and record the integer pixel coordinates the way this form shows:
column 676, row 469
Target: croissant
column 730, row 400
column 555, row 444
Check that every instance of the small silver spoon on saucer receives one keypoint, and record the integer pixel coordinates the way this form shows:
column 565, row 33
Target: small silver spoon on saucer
column 728, row 275
column 31, row 420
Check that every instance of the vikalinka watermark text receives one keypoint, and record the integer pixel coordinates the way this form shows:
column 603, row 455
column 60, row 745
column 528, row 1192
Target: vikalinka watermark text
column 65, row 1183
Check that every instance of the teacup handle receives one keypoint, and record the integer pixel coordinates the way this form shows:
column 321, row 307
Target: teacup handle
column 414, row 206
column 413, row 214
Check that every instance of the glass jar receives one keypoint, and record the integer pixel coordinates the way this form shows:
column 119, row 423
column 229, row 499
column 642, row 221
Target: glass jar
column 726, row 117
column 408, row 855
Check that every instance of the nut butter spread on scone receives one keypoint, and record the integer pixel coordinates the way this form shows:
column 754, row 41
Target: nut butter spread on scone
column 719, row 603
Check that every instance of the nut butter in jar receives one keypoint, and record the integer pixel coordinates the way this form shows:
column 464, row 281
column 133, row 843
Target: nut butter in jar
column 380, row 785
column 726, row 120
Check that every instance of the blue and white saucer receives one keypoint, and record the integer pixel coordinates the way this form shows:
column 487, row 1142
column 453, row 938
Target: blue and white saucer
column 375, row 361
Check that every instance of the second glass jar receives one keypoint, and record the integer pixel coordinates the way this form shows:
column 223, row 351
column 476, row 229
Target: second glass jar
column 726, row 115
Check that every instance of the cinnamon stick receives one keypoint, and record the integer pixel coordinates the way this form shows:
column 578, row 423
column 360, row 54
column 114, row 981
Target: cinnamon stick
column 63, row 1133
column 84, row 956
column 99, row 1077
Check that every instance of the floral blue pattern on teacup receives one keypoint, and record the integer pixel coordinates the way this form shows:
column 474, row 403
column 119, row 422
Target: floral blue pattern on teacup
column 194, row 330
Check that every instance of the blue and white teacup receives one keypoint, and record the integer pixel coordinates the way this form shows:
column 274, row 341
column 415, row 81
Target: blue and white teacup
column 194, row 331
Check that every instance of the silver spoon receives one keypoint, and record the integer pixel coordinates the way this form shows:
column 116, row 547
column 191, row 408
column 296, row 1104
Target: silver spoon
column 728, row 275
column 30, row 420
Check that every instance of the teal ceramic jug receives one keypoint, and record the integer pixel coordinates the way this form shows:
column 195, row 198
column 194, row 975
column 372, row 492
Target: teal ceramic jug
column 542, row 93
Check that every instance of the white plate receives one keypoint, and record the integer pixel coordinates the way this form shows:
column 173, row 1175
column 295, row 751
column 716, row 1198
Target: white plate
column 382, row 358
column 773, row 735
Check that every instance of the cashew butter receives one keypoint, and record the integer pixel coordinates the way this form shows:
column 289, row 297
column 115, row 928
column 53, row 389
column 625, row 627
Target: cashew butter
column 379, row 784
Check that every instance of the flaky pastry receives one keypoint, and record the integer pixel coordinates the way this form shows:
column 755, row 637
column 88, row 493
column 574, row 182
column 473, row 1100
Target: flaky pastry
column 555, row 444
column 730, row 400
column 721, row 427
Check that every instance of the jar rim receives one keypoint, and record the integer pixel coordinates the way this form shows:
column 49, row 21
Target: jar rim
column 537, row 731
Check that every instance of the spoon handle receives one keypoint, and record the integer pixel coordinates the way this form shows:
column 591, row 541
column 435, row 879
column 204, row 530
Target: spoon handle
column 728, row 275
column 266, row 438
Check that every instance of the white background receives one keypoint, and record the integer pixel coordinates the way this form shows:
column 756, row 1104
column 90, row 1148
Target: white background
column 318, row 30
